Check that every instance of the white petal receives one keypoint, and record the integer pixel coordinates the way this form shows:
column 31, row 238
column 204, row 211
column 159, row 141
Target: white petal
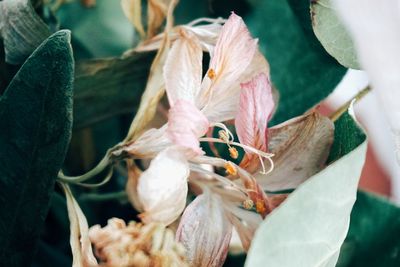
column 183, row 69
column 162, row 188
column 224, row 103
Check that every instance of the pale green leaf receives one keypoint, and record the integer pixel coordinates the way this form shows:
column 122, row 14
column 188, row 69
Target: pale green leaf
column 332, row 34
column 309, row 228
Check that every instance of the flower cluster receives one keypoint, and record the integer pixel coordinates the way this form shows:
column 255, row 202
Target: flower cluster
column 236, row 86
column 135, row 244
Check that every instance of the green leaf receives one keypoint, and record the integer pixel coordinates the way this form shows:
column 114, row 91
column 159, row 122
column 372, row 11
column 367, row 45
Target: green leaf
column 347, row 137
column 332, row 34
column 36, row 121
column 108, row 87
column 309, row 228
column 21, row 29
column 373, row 235
column 303, row 73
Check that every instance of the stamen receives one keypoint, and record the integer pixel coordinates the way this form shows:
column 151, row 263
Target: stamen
column 223, row 135
column 211, row 74
column 260, row 207
column 260, row 153
column 230, row 168
column 226, row 135
column 222, row 179
column 234, row 153
column 248, row 204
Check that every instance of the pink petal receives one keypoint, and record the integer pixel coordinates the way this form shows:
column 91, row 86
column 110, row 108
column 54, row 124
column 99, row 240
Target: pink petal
column 205, row 231
column 255, row 108
column 162, row 188
column 233, row 53
column 185, row 125
column 183, row 68
column 234, row 50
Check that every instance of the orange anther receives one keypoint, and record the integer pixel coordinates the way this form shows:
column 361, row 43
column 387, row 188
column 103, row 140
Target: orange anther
column 233, row 152
column 260, row 207
column 211, row 74
column 230, row 168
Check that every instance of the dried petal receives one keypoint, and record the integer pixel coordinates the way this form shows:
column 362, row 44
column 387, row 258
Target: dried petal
column 234, row 50
column 155, row 84
column 233, row 53
column 224, row 102
column 131, row 186
column 156, row 13
column 121, row 245
column 301, row 147
column 183, row 69
column 80, row 244
column 255, row 109
column 133, row 11
column 185, row 125
column 148, row 145
column 162, row 188
column 205, row 231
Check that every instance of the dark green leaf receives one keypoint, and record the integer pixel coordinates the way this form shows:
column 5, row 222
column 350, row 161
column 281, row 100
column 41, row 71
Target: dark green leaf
column 302, row 71
column 35, row 123
column 21, row 29
column 348, row 135
column 373, row 238
column 108, row 87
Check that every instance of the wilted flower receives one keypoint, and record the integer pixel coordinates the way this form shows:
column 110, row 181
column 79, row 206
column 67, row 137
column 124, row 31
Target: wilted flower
column 196, row 105
column 236, row 86
column 121, row 245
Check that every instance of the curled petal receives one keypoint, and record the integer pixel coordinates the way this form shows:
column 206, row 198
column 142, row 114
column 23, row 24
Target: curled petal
column 234, row 50
column 156, row 13
column 80, row 243
column 224, row 103
column 133, row 11
column 185, row 125
column 300, row 147
column 131, row 186
column 205, row 231
column 255, row 108
column 183, row 68
column 148, row 145
column 233, row 53
column 162, row 188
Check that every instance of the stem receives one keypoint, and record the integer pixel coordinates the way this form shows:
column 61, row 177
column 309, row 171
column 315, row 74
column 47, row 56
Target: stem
column 336, row 114
column 120, row 195
column 100, row 167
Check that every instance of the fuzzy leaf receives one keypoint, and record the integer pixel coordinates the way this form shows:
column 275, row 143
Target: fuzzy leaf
column 309, row 228
column 21, row 29
column 332, row 34
column 36, row 121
